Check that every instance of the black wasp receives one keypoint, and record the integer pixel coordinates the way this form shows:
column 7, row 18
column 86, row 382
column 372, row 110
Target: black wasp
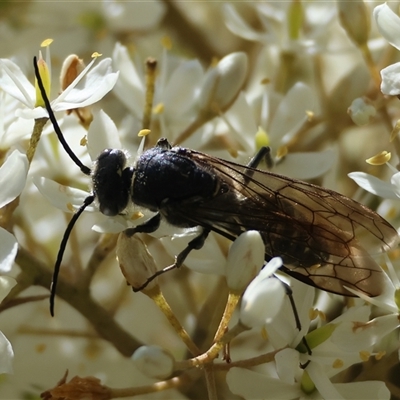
column 320, row 234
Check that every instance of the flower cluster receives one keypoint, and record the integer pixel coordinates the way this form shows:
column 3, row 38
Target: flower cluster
column 315, row 82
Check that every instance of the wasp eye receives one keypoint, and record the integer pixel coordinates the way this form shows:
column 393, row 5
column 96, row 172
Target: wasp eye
column 112, row 181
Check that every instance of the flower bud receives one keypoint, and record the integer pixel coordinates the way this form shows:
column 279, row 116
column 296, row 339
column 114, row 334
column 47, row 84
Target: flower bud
column 354, row 18
column 361, row 112
column 263, row 298
column 223, row 83
column 245, row 259
column 135, row 261
column 154, row 361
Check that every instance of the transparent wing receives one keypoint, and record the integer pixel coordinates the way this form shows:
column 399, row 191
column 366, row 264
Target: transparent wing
column 321, row 235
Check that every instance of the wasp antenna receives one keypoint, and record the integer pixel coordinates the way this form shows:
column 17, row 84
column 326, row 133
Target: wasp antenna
column 89, row 200
column 86, row 170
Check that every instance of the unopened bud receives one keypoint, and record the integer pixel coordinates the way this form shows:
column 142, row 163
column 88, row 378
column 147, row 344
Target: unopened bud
column 135, row 261
column 223, row 83
column 245, row 259
column 354, row 18
column 361, row 111
column 154, row 361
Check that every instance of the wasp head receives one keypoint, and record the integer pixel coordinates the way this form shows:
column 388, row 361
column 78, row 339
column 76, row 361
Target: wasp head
column 112, row 181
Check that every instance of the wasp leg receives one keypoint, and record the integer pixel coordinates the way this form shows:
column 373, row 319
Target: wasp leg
column 263, row 154
column 148, row 227
column 195, row 244
column 289, row 293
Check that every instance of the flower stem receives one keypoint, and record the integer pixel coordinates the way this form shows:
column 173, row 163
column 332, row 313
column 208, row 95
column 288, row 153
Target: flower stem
column 37, row 132
column 156, row 295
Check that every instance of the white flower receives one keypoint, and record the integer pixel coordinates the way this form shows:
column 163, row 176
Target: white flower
column 279, row 117
column 222, row 83
column 389, row 26
column 245, row 259
column 89, row 87
column 254, row 385
column 153, row 361
column 331, row 353
column 361, row 112
column 263, row 298
column 279, row 21
column 377, row 186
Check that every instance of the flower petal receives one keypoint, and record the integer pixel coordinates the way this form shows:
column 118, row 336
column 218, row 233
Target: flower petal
column 391, row 80
column 291, row 113
column 102, row 134
column 388, row 24
column 237, row 25
column 373, row 185
column 13, row 177
column 8, row 251
column 253, row 385
column 306, row 165
column 62, row 197
column 6, row 284
column 325, row 387
column 91, row 88
column 129, row 87
column 15, row 83
column 6, row 355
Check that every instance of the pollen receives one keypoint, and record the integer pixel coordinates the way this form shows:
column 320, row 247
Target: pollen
column 136, row 215
column 379, row 159
column 96, row 54
column 46, row 43
column 395, row 131
column 40, row 348
column 313, row 314
column 310, row 115
column 83, row 141
column 365, row 355
column 338, row 363
column 158, row 109
column 380, row 355
column 144, row 132
column 282, row 152
column 264, row 333
column 166, row 42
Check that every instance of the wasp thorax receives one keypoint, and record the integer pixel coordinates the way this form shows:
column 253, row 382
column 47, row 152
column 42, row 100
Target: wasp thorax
column 112, row 181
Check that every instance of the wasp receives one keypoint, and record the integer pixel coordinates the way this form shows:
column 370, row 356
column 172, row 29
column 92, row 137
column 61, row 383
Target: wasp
column 322, row 236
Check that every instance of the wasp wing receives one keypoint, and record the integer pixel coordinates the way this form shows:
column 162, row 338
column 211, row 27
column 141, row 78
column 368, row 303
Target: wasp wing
column 320, row 234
